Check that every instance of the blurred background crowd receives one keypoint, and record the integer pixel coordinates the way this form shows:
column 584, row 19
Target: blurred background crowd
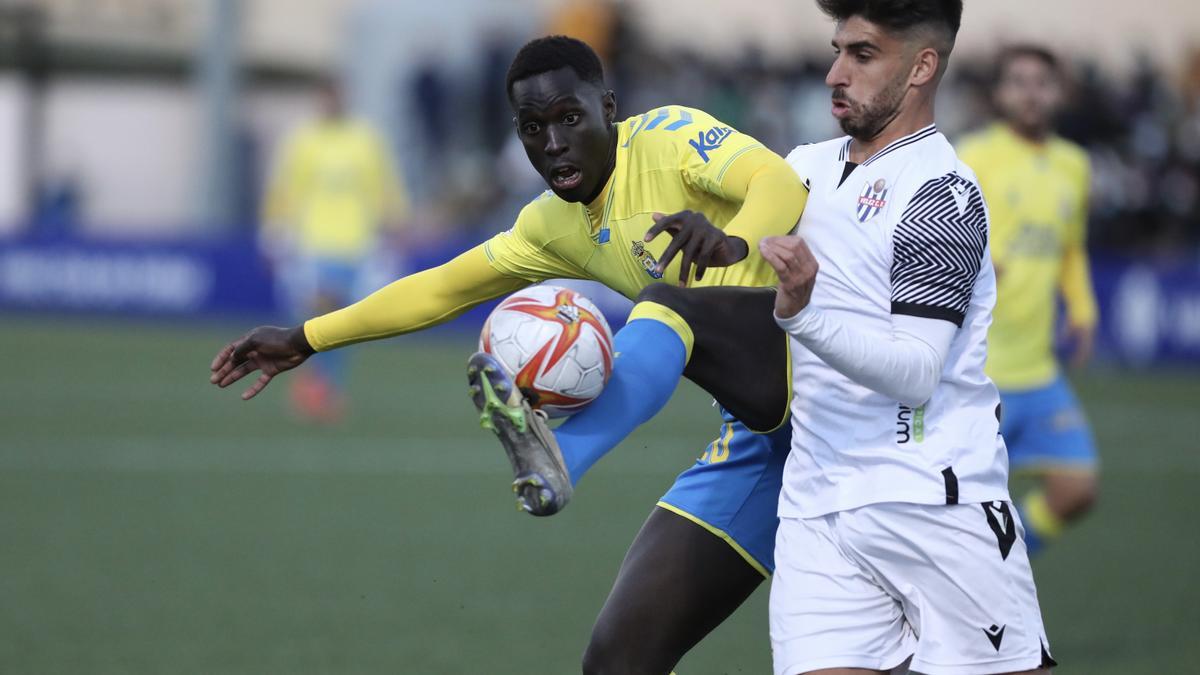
column 161, row 118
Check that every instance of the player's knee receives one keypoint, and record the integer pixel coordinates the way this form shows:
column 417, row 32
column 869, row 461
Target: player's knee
column 1072, row 495
column 667, row 295
column 1084, row 498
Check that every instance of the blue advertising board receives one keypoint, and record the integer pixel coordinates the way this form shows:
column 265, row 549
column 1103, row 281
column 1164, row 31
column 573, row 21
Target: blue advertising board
column 1150, row 311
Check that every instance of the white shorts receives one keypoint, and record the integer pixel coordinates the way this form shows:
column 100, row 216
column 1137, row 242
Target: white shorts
column 949, row 585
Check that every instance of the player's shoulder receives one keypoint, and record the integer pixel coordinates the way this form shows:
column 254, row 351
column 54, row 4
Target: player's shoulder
column 672, row 131
column 806, row 157
column 1070, row 154
column 977, row 144
column 544, row 217
column 668, row 121
column 927, row 158
column 930, row 180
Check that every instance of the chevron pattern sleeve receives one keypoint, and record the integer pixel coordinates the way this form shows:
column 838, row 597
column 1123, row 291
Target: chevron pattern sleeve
column 938, row 249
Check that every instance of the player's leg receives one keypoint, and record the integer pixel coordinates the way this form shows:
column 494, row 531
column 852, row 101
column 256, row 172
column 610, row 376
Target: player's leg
column 828, row 614
column 961, row 574
column 1054, row 444
column 649, row 359
column 676, row 584
column 701, row 553
column 724, row 339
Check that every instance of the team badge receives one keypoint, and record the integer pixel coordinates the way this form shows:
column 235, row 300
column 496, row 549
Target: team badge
column 645, row 258
column 872, row 200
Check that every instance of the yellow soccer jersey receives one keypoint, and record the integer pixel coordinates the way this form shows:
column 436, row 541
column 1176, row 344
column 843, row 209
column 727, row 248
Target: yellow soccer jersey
column 668, row 160
column 334, row 187
column 1037, row 197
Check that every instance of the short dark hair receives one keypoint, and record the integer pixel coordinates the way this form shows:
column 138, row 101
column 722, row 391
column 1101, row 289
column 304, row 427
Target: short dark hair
column 1021, row 51
column 898, row 15
column 940, row 17
column 551, row 53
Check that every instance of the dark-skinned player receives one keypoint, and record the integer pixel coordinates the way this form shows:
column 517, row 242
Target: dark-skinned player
column 709, row 543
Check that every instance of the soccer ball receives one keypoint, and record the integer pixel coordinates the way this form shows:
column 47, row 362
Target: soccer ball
column 554, row 343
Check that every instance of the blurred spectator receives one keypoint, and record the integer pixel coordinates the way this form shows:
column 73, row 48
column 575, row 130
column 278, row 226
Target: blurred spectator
column 593, row 21
column 333, row 193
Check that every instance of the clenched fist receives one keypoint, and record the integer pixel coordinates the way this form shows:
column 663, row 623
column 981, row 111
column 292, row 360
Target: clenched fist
column 797, row 269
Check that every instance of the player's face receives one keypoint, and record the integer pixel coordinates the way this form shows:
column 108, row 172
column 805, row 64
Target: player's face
column 566, row 127
column 1028, row 94
column 869, row 77
column 332, row 102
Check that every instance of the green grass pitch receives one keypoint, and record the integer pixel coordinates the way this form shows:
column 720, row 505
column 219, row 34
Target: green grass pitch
column 153, row 524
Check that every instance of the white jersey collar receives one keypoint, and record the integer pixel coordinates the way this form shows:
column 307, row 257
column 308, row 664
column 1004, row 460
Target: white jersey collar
column 921, row 134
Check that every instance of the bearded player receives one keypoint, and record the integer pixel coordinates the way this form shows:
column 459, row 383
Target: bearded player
column 1036, row 184
column 709, row 543
column 896, row 541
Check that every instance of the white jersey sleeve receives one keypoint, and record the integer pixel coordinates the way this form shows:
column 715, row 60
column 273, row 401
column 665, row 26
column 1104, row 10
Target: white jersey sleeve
column 905, row 368
column 938, row 249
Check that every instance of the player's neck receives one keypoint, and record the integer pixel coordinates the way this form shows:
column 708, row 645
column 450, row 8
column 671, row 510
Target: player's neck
column 610, row 167
column 1031, row 135
column 906, row 122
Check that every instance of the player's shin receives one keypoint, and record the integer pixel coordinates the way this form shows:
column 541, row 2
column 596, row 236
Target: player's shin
column 651, row 352
column 1042, row 525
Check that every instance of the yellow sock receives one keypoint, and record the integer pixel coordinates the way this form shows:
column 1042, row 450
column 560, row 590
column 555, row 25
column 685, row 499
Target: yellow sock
column 1041, row 519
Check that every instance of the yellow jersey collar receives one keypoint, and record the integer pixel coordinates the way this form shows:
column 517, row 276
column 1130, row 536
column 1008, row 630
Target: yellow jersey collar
column 597, row 207
column 1020, row 141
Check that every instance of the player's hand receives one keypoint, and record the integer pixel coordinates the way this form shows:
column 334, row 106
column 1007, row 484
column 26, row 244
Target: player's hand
column 797, row 269
column 1083, row 341
column 702, row 243
column 269, row 349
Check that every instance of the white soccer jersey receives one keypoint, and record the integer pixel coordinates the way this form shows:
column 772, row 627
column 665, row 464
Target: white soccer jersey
column 905, row 232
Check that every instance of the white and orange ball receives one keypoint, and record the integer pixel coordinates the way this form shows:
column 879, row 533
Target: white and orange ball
column 556, row 345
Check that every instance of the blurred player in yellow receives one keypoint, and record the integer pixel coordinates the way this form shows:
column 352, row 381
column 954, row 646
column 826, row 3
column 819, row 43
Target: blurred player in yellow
column 333, row 191
column 1036, row 187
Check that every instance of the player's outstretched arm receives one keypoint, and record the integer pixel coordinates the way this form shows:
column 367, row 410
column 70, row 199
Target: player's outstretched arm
column 412, row 303
column 268, row 349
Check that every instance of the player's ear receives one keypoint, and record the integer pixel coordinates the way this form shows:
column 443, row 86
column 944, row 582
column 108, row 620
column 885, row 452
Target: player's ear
column 609, row 102
column 925, row 67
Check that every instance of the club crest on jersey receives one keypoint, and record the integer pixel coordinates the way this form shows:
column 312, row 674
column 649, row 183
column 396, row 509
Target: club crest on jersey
column 646, row 259
column 872, row 200
column 707, row 141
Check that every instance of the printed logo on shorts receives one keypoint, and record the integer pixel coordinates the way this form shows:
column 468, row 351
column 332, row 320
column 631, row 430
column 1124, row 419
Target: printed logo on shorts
column 999, row 518
column 995, row 635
